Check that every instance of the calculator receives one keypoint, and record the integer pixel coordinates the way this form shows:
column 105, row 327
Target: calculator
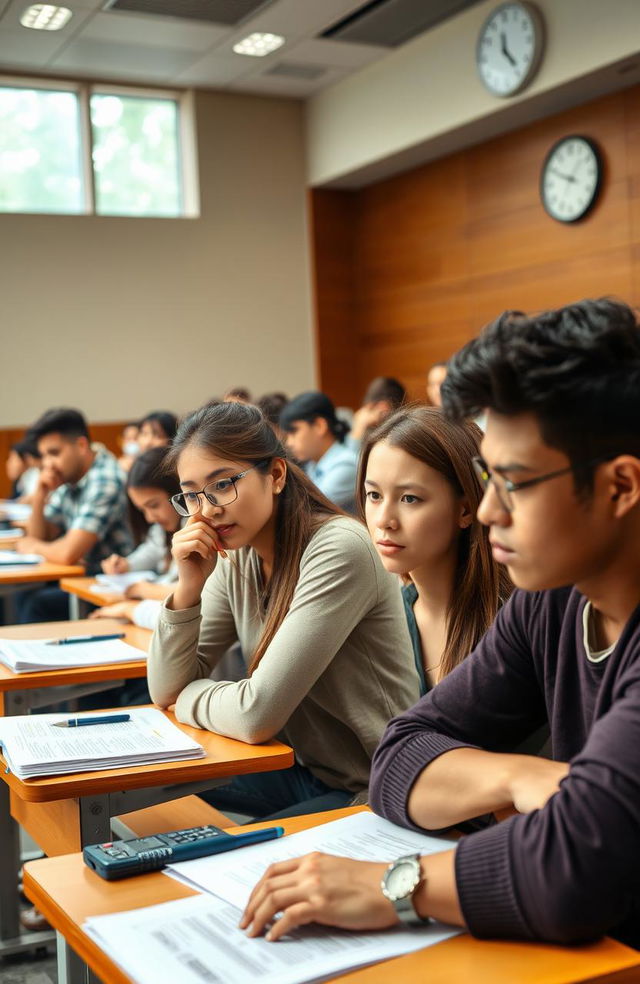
column 124, row 858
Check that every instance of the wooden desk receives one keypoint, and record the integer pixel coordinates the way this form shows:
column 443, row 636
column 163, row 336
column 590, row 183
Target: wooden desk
column 81, row 596
column 13, row 580
column 67, row 892
column 64, row 813
column 19, row 692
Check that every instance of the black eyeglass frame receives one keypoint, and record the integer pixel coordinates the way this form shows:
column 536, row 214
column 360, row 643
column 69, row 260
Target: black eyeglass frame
column 485, row 475
column 211, row 499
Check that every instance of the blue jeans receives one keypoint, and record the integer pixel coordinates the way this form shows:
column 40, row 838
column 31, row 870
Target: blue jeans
column 272, row 795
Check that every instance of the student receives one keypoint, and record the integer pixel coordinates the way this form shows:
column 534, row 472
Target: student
column 435, row 378
column 128, row 442
column 157, row 430
column 315, row 436
column 384, row 395
column 237, row 394
column 562, row 474
column 272, row 405
column 419, row 493
column 23, row 468
column 300, row 586
column 78, row 508
column 153, row 521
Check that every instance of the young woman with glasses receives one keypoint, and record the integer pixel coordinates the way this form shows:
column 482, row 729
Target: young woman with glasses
column 418, row 492
column 265, row 559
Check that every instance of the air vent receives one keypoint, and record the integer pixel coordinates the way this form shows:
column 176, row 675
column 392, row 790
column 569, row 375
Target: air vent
column 227, row 12
column 392, row 22
column 291, row 70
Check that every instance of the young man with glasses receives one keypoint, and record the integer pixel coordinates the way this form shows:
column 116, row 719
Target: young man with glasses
column 561, row 467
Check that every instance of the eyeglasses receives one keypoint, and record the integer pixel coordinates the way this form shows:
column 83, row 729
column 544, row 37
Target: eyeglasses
column 220, row 493
column 505, row 487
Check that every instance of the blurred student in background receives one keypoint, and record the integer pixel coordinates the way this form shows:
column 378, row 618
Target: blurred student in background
column 23, row 468
column 384, row 395
column 128, row 442
column 316, row 437
column 157, row 430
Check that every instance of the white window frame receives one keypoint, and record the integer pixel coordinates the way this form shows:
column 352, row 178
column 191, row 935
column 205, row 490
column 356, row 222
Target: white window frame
column 187, row 155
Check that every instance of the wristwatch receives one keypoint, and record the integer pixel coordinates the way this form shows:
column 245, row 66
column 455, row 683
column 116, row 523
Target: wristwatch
column 399, row 883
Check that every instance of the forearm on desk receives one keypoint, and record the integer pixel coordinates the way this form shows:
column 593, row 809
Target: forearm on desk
column 458, row 785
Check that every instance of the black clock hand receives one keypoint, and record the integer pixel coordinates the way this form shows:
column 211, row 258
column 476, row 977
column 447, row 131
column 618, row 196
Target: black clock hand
column 505, row 51
column 559, row 174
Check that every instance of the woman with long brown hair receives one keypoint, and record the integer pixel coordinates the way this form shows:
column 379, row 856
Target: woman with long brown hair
column 265, row 559
column 418, row 492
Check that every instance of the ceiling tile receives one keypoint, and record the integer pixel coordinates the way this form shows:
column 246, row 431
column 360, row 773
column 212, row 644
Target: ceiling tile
column 28, row 49
column 169, row 32
column 275, row 85
column 341, row 54
column 105, row 60
column 214, row 70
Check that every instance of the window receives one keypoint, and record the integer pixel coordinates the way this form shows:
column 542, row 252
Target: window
column 69, row 149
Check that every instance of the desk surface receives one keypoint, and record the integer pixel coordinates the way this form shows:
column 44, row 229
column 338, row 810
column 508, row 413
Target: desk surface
column 67, row 893
column 224, row 757
column 81, row 587
column 135, row 636
column 39, row 572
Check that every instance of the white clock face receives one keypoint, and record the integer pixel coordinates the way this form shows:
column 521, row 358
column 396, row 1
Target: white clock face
column 570, row 178
column 509, row 48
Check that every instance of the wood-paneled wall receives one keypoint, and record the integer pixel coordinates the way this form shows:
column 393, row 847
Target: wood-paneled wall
column 428, row 257
column 106, row 434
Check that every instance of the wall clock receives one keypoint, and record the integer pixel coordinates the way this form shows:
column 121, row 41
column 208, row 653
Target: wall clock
column 570, row 179
column 509, row 48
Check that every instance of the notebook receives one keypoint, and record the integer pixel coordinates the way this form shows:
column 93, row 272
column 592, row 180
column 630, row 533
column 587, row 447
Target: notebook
column 32, row 746
column 109, row 583
column 31, row 655
column 11, row 558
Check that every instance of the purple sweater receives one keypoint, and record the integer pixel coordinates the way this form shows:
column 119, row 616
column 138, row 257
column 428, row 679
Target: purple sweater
column 570, row 871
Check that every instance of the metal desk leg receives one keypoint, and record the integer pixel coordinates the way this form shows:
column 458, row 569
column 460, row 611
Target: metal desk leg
column 71, row 968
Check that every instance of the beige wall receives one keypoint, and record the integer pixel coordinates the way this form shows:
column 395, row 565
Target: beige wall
column 119, row 316
column 424, row 99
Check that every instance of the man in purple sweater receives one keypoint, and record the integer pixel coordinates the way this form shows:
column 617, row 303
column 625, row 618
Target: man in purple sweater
column 561, row 468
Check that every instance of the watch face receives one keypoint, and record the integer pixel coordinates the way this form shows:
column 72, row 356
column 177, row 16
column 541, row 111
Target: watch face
column 509, row 48
column 401, row 880
column 570, row 178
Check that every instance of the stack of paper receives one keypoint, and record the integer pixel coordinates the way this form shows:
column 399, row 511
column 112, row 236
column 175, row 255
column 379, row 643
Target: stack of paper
column 31, row 655
column 11, row 558
column 16, row 512
column 197, row 940
column 33, row 746
column 110, row 583
column 12, row 534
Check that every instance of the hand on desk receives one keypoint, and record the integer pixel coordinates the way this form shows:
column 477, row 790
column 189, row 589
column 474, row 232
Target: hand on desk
column 322, row 889
column 121, row 609
column 115, row 565
column 28, row 544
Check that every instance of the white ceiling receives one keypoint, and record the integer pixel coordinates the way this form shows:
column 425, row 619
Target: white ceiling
column 170, row 51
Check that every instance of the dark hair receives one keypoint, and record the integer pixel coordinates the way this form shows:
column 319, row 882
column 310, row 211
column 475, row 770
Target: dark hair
column 385, row 388
column 239, row 392
column 309, row 406
column 61, row 420
column 27, row 446
column 576, row 368
column 272, row 405
column 480, row 584
column 166, row 421
column 149, row 470
column 238, row 431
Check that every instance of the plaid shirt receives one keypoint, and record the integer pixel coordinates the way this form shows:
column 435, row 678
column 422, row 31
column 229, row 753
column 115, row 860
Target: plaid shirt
column 97, row 504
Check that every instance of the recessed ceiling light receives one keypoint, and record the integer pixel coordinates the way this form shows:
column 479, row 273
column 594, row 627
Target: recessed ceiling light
column 45, row 17
column 258, row 44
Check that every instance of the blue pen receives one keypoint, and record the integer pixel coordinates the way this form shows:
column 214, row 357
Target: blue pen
column 99, row 719
column 70, row 640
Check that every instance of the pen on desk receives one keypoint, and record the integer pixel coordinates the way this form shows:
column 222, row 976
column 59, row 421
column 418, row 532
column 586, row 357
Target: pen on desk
column 69, row 640
column 97, row 719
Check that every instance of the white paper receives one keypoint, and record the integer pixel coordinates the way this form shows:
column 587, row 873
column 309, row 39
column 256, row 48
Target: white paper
column 14, row 511
column 13, row 534
column 11, row 558
column 32, row 746
column 362, row 836
column 31, row 655
column 197, row 941
column 108, row 583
